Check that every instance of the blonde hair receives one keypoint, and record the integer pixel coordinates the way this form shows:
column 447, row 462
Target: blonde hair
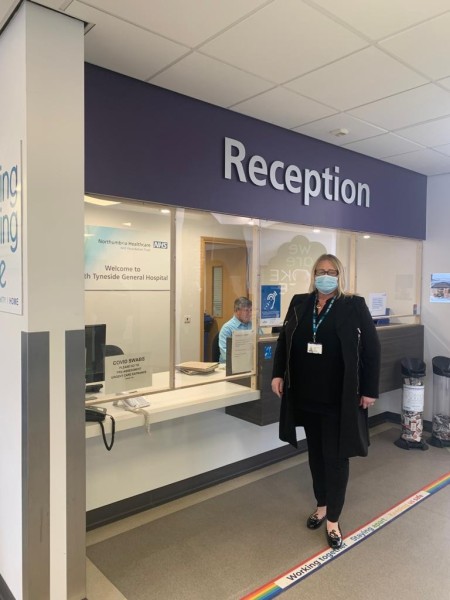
column 339, row 268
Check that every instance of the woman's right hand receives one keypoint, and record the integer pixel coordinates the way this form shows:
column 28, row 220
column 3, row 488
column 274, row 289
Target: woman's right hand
column 277, row 386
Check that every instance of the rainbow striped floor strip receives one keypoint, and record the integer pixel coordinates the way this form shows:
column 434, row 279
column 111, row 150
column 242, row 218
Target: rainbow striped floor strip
column 295, row 575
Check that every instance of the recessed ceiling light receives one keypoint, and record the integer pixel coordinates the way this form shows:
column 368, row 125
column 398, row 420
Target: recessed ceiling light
column 316, row 230
column 99, row 201
column 165, row 211
column 366, row 237
column 127, row 224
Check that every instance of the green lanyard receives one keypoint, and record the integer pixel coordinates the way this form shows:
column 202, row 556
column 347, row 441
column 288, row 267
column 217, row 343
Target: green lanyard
column 316, row 324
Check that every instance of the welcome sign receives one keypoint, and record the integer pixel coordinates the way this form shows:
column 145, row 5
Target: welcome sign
column 126, row 259
column 10, row 234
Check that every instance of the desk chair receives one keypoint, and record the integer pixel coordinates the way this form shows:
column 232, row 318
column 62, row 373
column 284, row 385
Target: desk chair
column 215, row 350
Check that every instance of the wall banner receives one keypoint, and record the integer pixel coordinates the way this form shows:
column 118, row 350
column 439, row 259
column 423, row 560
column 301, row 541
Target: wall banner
column 10, row 231
column 124, row 259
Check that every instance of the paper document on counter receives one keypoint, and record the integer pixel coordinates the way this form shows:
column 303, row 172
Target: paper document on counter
column 242, row 351
column 193, row 367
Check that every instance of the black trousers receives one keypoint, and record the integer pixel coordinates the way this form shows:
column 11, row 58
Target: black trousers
column 329, row 472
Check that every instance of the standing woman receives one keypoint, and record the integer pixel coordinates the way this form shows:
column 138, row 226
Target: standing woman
column 326, row 372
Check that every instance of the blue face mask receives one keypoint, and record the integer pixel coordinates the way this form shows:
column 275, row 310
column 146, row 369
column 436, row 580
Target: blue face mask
column 326, row 283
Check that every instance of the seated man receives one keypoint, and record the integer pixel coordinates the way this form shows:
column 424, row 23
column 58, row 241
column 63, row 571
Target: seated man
column 242, row 319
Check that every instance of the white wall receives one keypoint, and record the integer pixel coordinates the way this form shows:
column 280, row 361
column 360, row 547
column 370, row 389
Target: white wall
column 13, row 127
column 435, row 316
column 41, row 104
column 174, row 450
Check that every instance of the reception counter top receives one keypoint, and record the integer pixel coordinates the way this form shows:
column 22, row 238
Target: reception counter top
column 171, row 404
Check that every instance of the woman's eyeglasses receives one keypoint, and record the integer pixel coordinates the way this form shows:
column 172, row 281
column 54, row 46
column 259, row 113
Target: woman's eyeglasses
column 331, row 272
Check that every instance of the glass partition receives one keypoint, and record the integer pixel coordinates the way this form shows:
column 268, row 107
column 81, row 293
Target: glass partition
column 128, row 289
column 388, row 276
column 160, row 283
column 214, row 261
column 287, row 254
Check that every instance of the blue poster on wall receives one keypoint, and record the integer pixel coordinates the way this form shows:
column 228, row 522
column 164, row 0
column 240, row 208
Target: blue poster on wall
column 270, row 305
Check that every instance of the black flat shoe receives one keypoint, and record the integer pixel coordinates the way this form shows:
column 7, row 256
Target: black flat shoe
column 314, row 522
column 334, row 538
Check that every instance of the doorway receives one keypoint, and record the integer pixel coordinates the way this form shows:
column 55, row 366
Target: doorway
column 225, row 277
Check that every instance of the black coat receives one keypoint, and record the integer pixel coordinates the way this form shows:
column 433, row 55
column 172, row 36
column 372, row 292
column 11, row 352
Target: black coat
column 361, row 357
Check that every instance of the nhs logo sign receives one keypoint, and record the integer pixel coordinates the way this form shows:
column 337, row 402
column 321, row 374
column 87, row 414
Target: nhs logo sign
column 161, row 245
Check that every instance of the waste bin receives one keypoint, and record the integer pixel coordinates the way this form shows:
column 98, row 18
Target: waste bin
column 440, row 435
column 413, row 372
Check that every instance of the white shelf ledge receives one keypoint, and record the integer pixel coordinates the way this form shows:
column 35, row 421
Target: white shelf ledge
column 176, row 403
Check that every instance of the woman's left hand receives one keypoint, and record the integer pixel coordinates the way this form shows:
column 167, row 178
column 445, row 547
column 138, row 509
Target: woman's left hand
column 366, row 401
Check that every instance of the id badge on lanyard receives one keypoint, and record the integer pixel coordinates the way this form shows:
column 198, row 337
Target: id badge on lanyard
column 313, row 347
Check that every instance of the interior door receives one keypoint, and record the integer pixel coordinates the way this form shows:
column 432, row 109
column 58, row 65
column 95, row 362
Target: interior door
column 225, row 278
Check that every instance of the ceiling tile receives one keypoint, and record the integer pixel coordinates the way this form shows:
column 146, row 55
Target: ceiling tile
column 357, row 129
column 425, row 47
column 283, row 40
column 408, row 108
column 189, row 23
column 202, row 77
column 427, row 162
column 6, row 9
column 433, row 133
column 283, row 107
column 380, row 18
column 443, row 149
column 350, row 82
column 384, row 145
column 145, row 55
column 445, row 82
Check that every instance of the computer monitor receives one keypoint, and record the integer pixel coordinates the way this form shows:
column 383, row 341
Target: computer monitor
column 94, row 340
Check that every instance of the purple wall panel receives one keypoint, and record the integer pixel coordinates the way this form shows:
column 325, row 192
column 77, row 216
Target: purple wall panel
column 147, row 143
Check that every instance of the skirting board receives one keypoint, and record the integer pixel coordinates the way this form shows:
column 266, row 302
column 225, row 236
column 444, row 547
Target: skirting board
column 130, row 506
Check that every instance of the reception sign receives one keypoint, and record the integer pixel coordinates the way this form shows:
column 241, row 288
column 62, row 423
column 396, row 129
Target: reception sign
column 124, row 259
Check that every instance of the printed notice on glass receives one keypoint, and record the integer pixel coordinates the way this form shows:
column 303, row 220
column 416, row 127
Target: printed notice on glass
column 377, row 304
column 270, row 305
column 126, row 372
column 242, row 351
column 125, row 259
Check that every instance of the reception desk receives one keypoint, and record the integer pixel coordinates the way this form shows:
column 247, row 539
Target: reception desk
column 397, row 342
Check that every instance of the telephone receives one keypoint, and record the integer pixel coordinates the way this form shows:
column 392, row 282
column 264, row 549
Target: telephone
column 98, row 414
column 134, row 403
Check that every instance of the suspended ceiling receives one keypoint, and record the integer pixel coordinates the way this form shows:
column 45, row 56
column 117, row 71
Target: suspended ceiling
column 372, row 76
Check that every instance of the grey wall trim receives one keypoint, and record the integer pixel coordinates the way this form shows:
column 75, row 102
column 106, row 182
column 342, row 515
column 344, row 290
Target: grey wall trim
column 35, row 466
column 76, row 465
